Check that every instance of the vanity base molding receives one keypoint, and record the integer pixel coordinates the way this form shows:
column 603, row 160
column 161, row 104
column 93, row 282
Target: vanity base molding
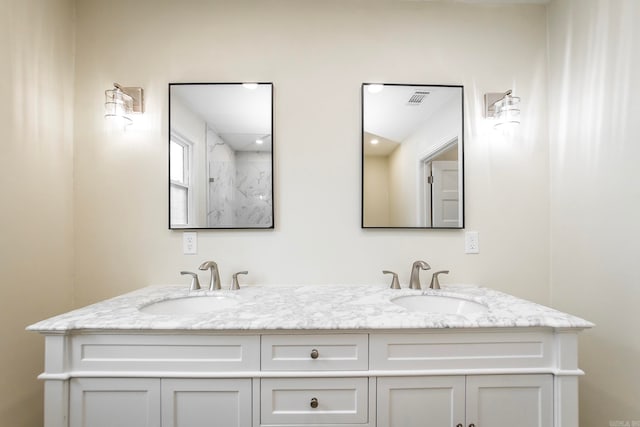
column 489, row 376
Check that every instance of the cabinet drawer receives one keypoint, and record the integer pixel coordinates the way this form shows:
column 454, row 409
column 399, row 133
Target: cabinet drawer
column 474, row 350
column 153, row 353
column 315, row 352
column 289, row 401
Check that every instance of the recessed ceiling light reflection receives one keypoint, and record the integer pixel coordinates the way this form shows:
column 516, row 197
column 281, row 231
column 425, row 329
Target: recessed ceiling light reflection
column 374, row 141
column 250, row 86
column 259, row 141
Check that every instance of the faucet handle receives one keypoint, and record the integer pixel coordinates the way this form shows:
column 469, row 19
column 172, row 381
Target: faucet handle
column 234, row 283
column 435, row 283
column 395, row 284
column 195, row 282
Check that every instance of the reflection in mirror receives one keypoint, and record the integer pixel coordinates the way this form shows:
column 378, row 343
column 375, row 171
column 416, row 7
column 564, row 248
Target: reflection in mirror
column 220, row 155
column 412, row 156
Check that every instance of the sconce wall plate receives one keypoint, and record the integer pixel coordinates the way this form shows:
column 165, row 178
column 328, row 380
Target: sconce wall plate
column 490, row 100
column 136, row 94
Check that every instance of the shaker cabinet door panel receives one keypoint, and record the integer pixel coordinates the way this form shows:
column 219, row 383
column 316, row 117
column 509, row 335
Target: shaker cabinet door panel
column 109, row 402
column 420, row 401
column 206, row 403
column 510, row 400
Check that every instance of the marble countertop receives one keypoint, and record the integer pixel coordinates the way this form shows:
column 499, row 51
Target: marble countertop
column 307, row 307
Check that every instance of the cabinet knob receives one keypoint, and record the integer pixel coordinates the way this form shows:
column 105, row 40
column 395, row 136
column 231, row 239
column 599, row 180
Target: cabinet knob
column 314, row 403
column 315, row 353
column 459, row 425
column 472, row 425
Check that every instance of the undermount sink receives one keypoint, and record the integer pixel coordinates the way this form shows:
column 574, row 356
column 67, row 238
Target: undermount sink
column 440, row 304
column 190, row 305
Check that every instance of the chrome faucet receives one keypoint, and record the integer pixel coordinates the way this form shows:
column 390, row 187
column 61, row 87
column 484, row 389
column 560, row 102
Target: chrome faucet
column 414, row 282
column 214, row 282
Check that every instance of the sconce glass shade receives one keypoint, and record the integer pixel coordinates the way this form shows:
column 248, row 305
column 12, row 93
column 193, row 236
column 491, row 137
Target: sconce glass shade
column 118, row 104
column 507, row 111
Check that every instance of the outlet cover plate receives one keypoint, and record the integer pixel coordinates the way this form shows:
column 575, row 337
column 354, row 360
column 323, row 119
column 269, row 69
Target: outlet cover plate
column 190, row 243
column 471, row 242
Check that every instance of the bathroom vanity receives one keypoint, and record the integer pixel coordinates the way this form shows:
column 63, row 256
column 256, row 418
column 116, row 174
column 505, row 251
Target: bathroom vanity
column 330, row 356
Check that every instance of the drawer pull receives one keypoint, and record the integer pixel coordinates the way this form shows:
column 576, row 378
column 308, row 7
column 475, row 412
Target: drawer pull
column 459, row 425
column 472, row 425
column 315, row 353
column 314, row 403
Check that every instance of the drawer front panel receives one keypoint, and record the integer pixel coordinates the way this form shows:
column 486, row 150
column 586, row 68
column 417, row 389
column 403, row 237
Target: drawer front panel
column 315, row 352
column 461, row 351
column 148, row 353
column 292, row 401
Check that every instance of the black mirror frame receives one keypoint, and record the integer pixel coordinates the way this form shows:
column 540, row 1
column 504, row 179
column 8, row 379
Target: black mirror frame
column 362, row 158
column 273, row 190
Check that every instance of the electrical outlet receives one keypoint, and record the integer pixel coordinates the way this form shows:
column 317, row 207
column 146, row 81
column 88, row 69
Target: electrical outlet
column 189, row 243
column 471, row 242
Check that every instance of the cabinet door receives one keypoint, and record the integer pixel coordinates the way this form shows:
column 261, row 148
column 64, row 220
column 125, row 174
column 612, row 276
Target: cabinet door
column 206, row 402
column 510, row 400
column 109, row 402
column 421, row 401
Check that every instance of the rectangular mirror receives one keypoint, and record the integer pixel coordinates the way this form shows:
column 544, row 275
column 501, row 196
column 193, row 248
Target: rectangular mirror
column 220, row 155
column 412, row 156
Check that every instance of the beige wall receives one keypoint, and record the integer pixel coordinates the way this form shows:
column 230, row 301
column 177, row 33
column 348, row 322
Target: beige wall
column 317, row 54
column 595, row 197
column 36, row 169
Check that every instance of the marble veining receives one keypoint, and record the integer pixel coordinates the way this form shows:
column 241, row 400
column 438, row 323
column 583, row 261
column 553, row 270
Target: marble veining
column 308, row 307
column 221, row 171
column 239, row 186
column 252, row 196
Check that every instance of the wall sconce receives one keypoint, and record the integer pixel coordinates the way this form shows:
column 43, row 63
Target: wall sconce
column 122, row 102
column 503, row 107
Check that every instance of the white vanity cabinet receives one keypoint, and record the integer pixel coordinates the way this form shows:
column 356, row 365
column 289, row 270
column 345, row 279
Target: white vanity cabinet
column 155, row 380
column 311, row 356
column 482, row 400
column 151, row 402
column 486, row 377
column 316, row 380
